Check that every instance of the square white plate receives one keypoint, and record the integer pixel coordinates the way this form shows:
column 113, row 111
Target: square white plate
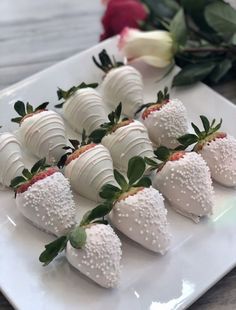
column 200, row 254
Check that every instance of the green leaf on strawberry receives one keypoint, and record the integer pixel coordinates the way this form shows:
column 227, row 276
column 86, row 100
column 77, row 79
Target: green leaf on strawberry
column 77, row 237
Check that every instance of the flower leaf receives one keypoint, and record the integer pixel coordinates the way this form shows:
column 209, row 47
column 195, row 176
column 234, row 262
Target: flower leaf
column 16, row 120
column 38, row 165
column 29, row 108
column 52, row 250
column 178, row 28
column 222, row 18
column 26, row 173
column 220, row 70
column 109, row 191
column 196, row 129
column 151, row 162
column 136, row 169
column 143, row 182
column 193, row 73
column 42, row 106
column 19, row 106
column 17, row 181
column 78, row 237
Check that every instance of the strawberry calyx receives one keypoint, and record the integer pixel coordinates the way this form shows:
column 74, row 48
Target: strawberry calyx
column 106, row 63
column 75, row 150
column 115, row 122
column 163, row 97
column 27, row 110
column 199, row 138
column 39, row 171
column 66, row 94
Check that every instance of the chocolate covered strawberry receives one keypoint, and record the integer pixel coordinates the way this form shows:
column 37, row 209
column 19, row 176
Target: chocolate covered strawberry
column 11, row 163
column 124, row 138
column 88, row 166
column 165, row 120
column 184, row 179
column 83, row 107
column 217, row 148
column 93, row 248
column 121, row 83
column 138, row 209
column 42, row 131
column 44, row 197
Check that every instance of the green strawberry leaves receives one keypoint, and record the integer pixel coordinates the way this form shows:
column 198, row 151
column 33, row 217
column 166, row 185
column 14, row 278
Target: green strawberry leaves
column 66, row 94
column 24, row 109
column 78, row 237
column 136, row 169
column 52, row 250
column 106, row 63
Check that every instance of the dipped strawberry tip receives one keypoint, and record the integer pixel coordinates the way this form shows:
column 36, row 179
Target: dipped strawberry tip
column 128, row 186
column 162, row 99
column 38, row 172
column 75, row 150
column 106, row 63
column 115, row 122
column 209, row 133
column 27, row 110
column 66, row 94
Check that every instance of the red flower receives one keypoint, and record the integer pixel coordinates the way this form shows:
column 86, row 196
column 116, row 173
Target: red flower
column 120, row 14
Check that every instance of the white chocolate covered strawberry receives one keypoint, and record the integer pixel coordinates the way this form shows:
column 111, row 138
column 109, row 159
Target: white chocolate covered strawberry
column 217, row 148
column 44, row 197
column 11, row 163
column 165, row 120
column 88, row 167
column 122, row 83
column 124, row 139
column 42, row 131
column 83, row 107
column 138, row 209
column 184, row 179
column 92, row 248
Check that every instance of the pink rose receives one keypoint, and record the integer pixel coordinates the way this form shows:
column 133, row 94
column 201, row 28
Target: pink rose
column 120, row 14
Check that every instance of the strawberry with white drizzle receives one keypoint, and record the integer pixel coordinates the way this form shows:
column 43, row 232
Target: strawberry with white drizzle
column 138, row 209
column 121, row 83
column 88, row 166
column 42, row 131
column 165, row 120
column 83, row 107
column 217, row 148
column 93, row 248
column 124, row 138
column 44, row 197
column 11, row 163
column 184, row 179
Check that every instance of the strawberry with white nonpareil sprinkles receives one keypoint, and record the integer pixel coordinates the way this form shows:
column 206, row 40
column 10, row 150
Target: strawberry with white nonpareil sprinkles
column 184, row 179
column 121, row 83
column 83, row 107
column 217, row 148
column 88, row 166
column 11, row 162
column 93, row 248
column 42, row 131
column 138, row 209
column 165, row 119
column 44, row 197
column 124, row 138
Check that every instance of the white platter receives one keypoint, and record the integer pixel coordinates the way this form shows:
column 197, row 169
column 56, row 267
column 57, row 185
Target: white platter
column 200, row 254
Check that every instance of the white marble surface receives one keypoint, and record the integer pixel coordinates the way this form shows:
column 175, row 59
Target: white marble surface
column 37, row 34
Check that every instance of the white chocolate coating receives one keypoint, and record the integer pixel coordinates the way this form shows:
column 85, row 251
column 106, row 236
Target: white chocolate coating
column 44, row 135
column 11, row 164
column 187, row 184
column 49, row 204
column 220, row 155
column 124, row 85
column 167, row 124
column 126, row 142
column 90, row 171
column 100, row 258
column 85, row 110
column 142, row 217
